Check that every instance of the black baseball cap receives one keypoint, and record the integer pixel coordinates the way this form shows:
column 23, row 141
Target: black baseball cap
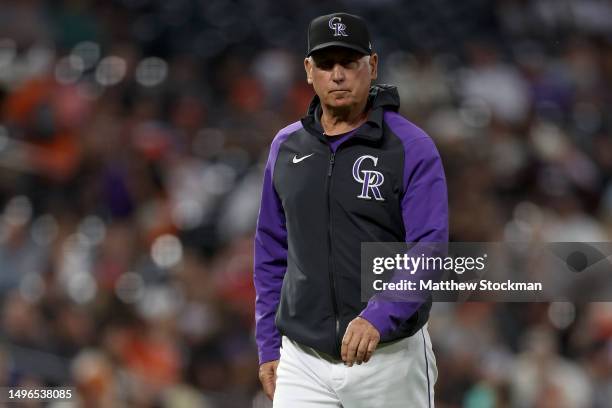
column 339, row 30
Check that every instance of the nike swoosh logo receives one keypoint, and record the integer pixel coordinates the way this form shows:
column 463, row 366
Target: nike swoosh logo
column 296, row 160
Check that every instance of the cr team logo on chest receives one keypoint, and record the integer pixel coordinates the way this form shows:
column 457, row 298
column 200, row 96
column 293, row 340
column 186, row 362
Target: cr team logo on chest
column 370, row 180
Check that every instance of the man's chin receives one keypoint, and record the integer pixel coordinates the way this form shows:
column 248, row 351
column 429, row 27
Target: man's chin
column 342, row 102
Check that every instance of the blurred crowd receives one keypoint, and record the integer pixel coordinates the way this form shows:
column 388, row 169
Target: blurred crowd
column 133, row 135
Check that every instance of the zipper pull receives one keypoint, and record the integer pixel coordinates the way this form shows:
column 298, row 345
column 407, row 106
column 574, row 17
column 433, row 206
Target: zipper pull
column 331, row 163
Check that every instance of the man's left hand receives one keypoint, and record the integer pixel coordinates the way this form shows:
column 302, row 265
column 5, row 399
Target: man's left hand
column 359, row 342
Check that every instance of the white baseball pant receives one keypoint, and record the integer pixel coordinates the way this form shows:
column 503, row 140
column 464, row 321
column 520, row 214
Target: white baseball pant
column 399, row 374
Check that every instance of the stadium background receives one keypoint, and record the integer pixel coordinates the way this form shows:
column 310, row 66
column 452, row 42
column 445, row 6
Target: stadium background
column 133, row 135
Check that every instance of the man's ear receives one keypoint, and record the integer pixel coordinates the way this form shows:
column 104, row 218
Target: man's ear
column 373, row 66
column 308, row 69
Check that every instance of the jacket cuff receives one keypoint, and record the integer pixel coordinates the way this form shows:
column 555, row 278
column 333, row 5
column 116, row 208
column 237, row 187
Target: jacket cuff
column 268, row 355
column 376, row 315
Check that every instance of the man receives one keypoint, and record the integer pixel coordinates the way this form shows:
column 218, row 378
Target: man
column 353, row 170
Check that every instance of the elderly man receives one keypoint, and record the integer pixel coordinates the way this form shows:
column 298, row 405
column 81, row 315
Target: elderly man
column 353, row 170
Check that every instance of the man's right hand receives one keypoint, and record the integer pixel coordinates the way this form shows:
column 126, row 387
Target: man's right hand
column 267, row 376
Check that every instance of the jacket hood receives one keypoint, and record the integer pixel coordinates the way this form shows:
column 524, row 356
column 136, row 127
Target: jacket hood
column 380, row 96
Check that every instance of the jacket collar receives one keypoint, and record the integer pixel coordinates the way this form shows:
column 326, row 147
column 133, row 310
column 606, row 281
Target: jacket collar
column 381, row 97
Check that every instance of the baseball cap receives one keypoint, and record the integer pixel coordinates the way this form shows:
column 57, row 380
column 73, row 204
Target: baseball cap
column 339, row 30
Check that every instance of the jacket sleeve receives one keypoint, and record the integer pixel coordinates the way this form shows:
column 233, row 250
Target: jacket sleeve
column 425, row 215
column 270, row 263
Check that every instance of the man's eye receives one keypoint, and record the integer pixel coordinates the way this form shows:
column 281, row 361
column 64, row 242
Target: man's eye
column 328, row 65
column 325, row 65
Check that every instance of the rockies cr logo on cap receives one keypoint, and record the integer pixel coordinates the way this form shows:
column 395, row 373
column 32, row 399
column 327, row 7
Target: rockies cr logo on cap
column 332, row 30
column 338, row 27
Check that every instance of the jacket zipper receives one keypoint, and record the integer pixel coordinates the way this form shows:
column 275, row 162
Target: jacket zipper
column 331, row 261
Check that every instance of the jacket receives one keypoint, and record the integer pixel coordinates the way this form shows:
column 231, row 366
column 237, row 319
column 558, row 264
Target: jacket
column 383, row 182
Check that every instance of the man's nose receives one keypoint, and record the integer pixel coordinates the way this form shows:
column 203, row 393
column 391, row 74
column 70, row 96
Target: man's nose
column 338, row 73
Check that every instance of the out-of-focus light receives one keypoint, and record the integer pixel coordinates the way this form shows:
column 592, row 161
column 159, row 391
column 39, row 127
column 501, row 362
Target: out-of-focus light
column 83, row 240
column 82, row 287
column 151, row 71
column 475, row 113
column 446, row 124
column 8, row 51
column 4, row 137
column 130, row 287
column 561, row 314
column 111, row 70
column 197, row 319
column 44, row 230
column 275, row 69
column 39, row 58
column 218, row 179
column 515, row 232
column 88, row 52
column 160, row 302
column 549, row 141
column 398, row 63
column 68, row 70
column 527, row 219
column 167, row 251
column 75, row 258
column 31, row 287
column 89, row 366
column 93, row 228
column 18, row 211
column 73, row 246
column 187, row 214
column 528, row 214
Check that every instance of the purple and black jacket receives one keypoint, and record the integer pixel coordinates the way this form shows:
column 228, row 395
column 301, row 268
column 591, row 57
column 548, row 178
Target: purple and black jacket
column 383, row 182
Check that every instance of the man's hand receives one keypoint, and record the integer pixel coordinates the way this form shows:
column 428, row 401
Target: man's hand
column 359, row 342
column 267, row 376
